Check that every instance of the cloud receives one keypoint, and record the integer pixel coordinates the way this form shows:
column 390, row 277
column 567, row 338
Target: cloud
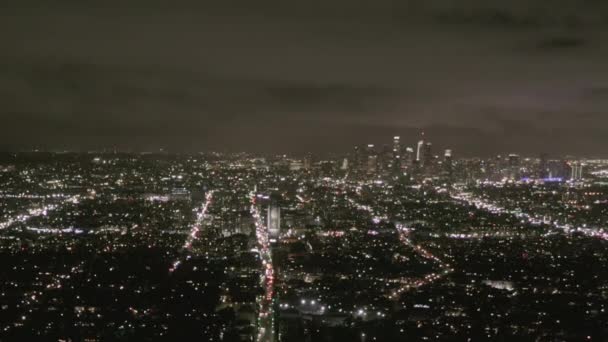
column 596, row 93
column 561, row 42
column 328, row 96
column 72, row 98
column 283, row 77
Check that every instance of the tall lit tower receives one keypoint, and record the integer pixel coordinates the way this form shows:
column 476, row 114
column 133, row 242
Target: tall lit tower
column 427, row 155
column 419, row 150
column 408, row 158
column 514, row 165
column 448, row 155
column 344, row 166
column 576, row 171
column 357, row 160
column 308, row 161
column 396, row 164
column 274, row 219
column 397, row 147
column 448, row 163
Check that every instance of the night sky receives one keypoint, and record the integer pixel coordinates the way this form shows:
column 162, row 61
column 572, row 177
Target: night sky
column 482, row 77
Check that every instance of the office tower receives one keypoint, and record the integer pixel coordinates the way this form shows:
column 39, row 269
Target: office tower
column 396, row 163
column 576, row 171
column 447, row 157
column 496, row 168
column 344, row 166
column 357, row 160
column 558, row 169
column 274, row 220
column 514, row 160
column 419, row 151
column 308, row 162
column 296, row 165
column 396, row 147
column 427, row 155
column 448, row 166
column 500, row 162
column 513, row 165
column 371, row 160
column 408, row 157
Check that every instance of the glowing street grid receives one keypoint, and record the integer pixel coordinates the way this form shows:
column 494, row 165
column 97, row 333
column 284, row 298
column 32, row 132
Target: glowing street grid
column 535, row 219
column 364, row 251
column 201, row 215
column 403, row 233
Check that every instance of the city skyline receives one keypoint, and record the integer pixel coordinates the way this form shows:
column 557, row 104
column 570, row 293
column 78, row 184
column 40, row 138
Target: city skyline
column 376, row 146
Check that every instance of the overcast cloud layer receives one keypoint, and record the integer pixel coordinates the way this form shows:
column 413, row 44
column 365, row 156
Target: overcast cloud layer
column 482, row 77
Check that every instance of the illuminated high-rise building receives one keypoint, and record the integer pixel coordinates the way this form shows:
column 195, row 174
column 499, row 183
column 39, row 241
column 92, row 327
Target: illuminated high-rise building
column 576, row 171
column 447, row 157
column 274, row 220
column 357, row 160
column 514, row 163
column 448, row 164
column 408, row 157
column 396, row 162
column 427, row 155
column 371, row 165
column 397, row 148
column 419, row 151
column 344, row 166
column 308, row 162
